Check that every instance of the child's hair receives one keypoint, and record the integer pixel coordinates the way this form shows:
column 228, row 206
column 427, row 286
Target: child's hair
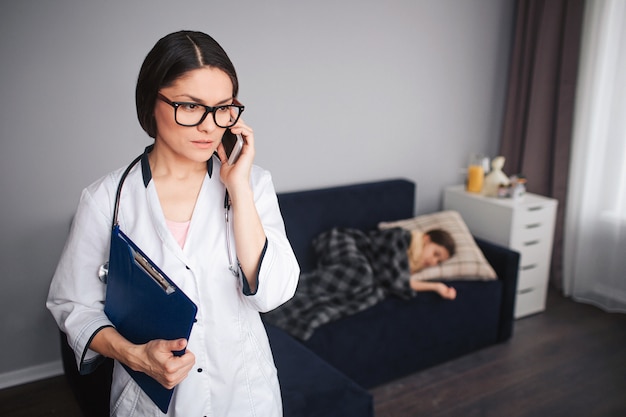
column 443, row 238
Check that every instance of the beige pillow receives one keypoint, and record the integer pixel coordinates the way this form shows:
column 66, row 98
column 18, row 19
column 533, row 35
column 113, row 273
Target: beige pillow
column 468, row 263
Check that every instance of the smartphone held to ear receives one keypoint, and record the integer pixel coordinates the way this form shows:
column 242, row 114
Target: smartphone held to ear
column 233, row 144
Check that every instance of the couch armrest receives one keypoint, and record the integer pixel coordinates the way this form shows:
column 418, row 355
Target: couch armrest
column 312, row 387
column 506, row 264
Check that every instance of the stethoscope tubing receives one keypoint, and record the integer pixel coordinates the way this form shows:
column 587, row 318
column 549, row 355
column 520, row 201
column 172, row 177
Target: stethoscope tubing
column 232, row 266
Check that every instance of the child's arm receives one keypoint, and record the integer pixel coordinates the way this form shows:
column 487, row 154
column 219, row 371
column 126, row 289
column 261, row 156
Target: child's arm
column 439, row 287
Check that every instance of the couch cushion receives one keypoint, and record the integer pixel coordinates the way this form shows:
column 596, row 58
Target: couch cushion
column 398, row 337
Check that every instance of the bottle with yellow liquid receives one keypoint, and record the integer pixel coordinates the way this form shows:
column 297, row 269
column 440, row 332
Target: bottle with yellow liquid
column 476, row 173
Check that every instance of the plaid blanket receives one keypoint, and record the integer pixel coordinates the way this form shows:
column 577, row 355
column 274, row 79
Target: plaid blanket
column 355, row 270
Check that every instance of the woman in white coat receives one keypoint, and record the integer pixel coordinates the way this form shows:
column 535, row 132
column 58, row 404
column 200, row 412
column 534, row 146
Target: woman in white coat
column 172, row 207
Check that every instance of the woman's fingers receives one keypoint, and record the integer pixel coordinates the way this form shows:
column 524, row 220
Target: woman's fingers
column 164, row 365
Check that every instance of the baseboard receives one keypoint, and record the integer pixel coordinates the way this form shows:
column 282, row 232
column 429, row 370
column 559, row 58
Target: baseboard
column 31, row 374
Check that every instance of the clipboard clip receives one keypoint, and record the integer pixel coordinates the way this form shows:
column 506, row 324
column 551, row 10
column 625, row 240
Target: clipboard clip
column 156, row 276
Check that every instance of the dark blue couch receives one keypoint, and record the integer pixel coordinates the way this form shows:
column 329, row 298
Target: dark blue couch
column 329, row 374
column 397, row 337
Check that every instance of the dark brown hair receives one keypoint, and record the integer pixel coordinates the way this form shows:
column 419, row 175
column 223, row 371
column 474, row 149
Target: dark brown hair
column 172, row 57
column 443, row 238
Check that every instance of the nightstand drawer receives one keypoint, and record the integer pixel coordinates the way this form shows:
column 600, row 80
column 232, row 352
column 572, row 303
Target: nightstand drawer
column 533, row 252
column 530, row 300
column 531, row 223
column 534, row 213
column 530, row 235
column 531, row 275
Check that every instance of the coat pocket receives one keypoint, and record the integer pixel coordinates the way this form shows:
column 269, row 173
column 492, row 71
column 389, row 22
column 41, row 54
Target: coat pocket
column 128, row 399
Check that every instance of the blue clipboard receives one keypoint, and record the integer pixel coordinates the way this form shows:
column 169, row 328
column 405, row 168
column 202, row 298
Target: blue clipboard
column 143, row 303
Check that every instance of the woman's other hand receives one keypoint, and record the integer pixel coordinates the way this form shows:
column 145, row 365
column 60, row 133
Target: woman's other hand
column 155, row 358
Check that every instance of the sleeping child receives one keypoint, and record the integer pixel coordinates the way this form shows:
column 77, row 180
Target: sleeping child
column 357, row 269
column 426, row 250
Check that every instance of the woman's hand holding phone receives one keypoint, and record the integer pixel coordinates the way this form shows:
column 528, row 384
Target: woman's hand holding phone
column 233, row 141
column 248, row 231
column 235, row 170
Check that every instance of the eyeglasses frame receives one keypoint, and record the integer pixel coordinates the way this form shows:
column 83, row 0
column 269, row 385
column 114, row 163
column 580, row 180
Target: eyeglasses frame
column 207, row 110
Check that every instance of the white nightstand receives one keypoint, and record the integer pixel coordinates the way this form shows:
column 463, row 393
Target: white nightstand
column 525, row 225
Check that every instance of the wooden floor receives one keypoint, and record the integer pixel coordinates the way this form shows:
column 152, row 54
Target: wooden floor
column 568, row 361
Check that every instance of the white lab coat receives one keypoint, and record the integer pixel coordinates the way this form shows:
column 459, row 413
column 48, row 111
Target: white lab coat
column 234, row 374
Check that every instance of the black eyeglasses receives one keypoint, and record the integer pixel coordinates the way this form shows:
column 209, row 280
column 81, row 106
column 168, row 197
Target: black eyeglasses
column 192, row 114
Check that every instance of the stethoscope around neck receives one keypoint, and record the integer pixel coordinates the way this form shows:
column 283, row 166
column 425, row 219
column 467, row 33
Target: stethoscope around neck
column 232, row 266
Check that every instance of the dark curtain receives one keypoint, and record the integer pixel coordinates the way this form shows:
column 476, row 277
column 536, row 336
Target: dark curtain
column 538, row 120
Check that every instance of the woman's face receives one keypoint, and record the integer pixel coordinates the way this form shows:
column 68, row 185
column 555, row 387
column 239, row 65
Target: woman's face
column 208, row 86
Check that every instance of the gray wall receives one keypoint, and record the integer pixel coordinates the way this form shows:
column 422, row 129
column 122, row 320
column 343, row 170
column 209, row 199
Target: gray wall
column 337, row 92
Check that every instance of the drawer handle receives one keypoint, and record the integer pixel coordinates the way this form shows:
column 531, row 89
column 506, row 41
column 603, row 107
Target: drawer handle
column 533, row 225
column 535, row 208
column 525, row 291
column 529, row 267
column 532, row 242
